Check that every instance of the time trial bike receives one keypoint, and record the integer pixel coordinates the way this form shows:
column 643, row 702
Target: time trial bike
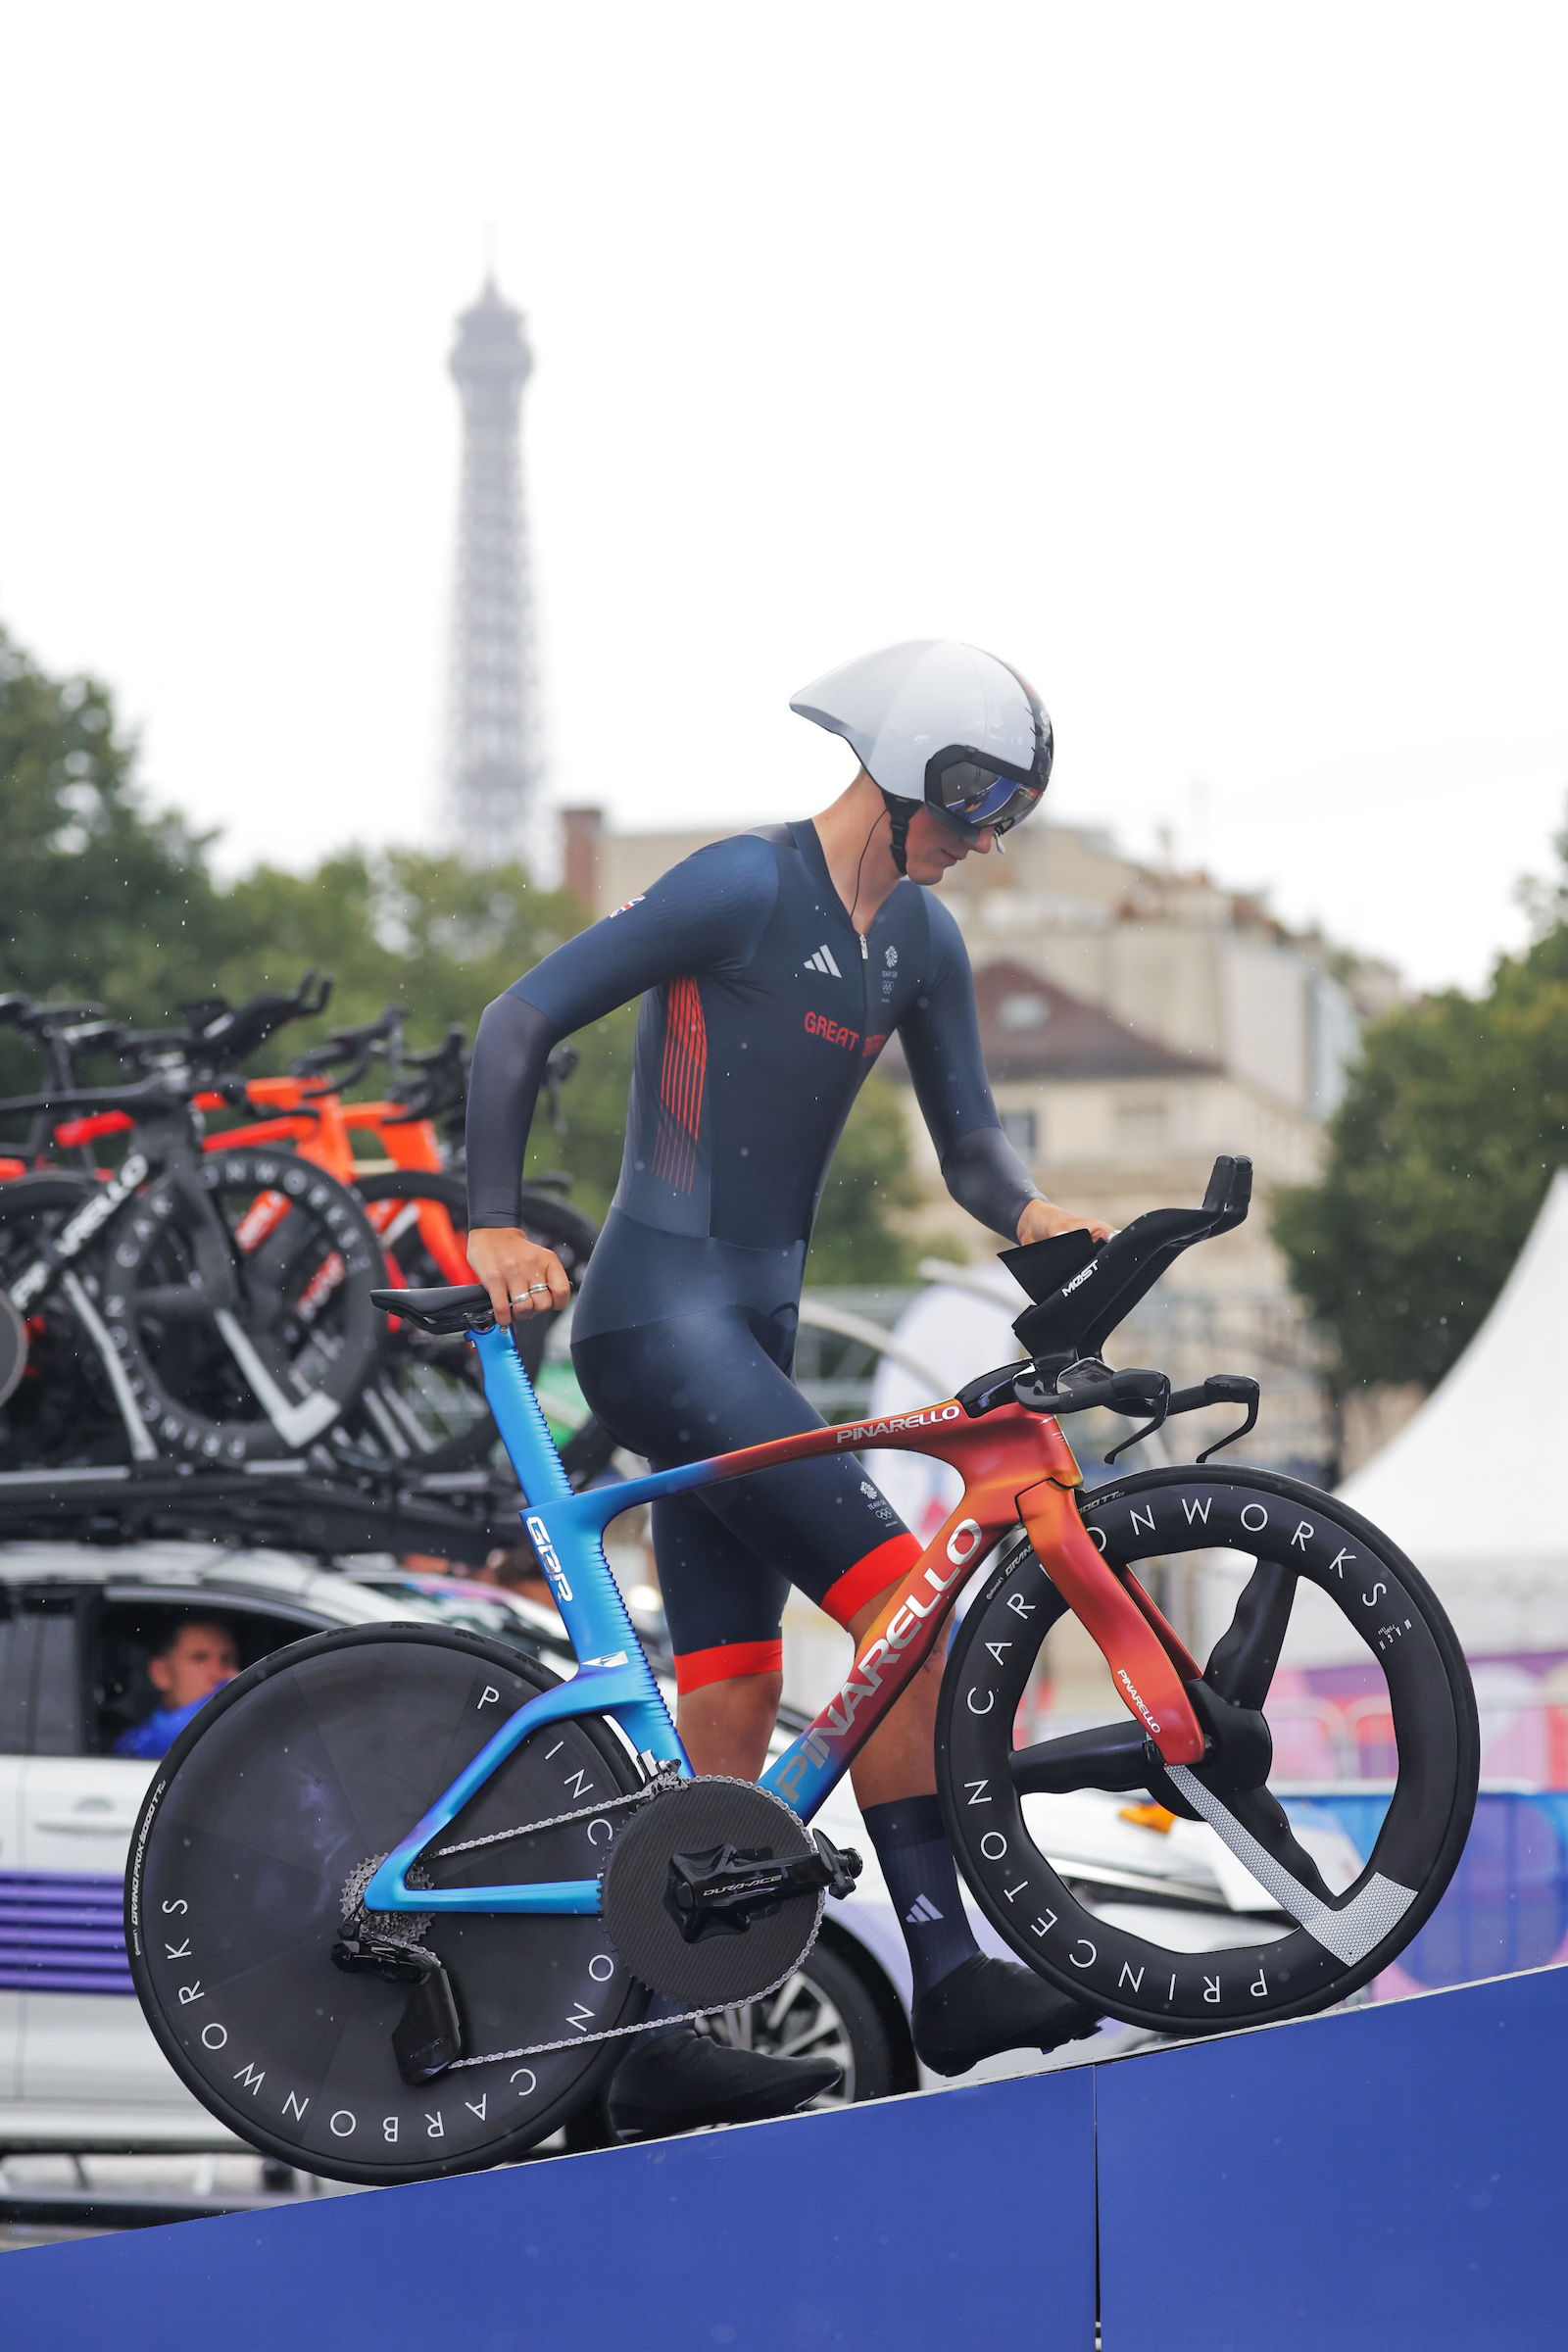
column 397, row 1898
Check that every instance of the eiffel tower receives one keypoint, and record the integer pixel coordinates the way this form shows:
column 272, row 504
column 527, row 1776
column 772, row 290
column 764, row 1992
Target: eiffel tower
column 493, row 758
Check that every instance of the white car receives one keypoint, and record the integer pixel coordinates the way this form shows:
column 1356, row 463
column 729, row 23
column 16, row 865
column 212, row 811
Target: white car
column 78, row 2068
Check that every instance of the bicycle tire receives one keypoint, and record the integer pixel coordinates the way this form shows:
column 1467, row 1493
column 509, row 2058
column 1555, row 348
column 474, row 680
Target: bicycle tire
column 427, row 1394
column 1033, row 1905
column 309, row 1765
column 317, row 1355
column 62, row 1413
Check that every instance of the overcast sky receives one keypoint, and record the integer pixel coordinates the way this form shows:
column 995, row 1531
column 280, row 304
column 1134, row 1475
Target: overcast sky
column 1206, row 361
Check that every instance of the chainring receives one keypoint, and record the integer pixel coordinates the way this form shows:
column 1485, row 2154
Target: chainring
column 720, row 1971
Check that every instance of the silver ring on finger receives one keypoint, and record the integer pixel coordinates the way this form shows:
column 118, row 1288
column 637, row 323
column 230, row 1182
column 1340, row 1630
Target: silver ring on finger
column 539, row 1285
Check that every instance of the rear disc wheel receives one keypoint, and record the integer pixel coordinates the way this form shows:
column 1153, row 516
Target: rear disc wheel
column 312, row 1765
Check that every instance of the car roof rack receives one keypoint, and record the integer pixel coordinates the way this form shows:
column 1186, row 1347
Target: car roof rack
column 286, row 1504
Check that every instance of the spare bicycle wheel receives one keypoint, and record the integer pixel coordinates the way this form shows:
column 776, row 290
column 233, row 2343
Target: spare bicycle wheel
column 271, row 1372
column 60, row 1408
column 257, row 1834
column 1132, row 1932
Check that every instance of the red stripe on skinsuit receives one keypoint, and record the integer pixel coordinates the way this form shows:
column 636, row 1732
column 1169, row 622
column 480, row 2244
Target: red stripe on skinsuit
column 680, row 1091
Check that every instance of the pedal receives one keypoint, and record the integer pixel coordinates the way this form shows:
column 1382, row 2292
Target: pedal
column 843, row 1865
column 721, row 1889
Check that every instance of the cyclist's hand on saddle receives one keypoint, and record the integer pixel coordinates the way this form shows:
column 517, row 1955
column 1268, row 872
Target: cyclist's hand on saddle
column 1042, row 1218
column 522, row 1279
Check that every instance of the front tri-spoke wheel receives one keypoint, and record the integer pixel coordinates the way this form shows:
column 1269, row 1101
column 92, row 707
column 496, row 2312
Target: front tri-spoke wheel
column 1204, row 1903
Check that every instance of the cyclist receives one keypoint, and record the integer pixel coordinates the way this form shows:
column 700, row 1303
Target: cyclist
column 772, row 968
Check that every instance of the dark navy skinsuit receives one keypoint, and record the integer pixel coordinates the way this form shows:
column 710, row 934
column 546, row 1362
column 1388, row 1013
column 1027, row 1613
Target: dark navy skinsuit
column 762, row 1011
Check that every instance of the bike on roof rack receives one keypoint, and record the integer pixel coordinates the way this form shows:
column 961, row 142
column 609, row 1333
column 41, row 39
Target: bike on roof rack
column 397, row 1898
column 215, row 1308
column 422, row 1410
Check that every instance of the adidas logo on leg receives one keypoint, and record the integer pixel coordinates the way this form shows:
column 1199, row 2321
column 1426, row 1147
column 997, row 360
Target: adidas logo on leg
column 822, row 962
column 921, row 1912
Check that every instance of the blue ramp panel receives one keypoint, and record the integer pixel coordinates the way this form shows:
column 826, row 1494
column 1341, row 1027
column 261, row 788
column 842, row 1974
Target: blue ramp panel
column 1391, row 2178
column 916, row 2223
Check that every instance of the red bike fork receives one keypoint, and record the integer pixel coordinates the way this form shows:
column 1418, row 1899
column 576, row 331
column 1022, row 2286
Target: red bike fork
column 1148, row 1662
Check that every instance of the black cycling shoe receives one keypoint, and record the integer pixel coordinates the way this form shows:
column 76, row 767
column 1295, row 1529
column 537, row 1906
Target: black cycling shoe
column 983, row 2007
column 681, row 2081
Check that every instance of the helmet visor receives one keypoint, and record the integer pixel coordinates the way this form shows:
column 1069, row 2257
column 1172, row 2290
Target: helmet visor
column 977, row 794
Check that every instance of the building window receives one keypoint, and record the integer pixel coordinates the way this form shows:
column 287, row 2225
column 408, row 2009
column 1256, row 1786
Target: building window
column 1141, row 1128
column 1019, row 1126
column 1023, row 1012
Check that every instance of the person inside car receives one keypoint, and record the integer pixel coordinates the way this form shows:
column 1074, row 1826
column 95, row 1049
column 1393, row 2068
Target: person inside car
column 195, row 1656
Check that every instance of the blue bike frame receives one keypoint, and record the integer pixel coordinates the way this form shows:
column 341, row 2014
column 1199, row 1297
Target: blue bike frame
column 1015, row 1464
column 612, row 1678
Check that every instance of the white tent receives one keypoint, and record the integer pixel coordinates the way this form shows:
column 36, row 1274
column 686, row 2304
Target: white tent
column 1466, row 1487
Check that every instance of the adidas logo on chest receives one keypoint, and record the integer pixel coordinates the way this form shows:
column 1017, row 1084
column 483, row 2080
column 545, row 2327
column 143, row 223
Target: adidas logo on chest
column 822, row 962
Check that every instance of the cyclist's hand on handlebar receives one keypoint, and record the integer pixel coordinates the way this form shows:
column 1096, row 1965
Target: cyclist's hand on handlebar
column 1042, row 1218
column 522, row 1279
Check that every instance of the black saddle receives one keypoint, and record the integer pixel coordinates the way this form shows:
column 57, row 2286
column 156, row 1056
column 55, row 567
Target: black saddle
column 467, row 1307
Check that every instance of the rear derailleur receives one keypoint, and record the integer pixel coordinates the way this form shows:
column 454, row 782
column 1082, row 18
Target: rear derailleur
column 427, row 2036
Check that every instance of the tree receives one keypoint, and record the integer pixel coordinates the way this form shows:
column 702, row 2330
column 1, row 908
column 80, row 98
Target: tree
column 108, row 902
column 102, row 901
column 1439, row 1156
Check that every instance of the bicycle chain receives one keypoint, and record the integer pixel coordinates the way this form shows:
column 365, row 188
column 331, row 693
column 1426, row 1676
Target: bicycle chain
column 668, row 1777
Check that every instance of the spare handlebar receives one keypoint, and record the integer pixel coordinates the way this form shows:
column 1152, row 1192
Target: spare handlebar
column 358, row 1048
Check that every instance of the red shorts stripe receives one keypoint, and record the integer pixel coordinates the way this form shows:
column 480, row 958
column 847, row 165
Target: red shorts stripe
column 700, row 1666
column 871, row 1576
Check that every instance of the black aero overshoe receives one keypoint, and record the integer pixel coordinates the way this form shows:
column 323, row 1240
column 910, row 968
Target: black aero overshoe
column 983, row 2007
column 681, row 2081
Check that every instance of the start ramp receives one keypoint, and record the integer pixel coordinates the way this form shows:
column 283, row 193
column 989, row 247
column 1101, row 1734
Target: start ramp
column 1387, row 2178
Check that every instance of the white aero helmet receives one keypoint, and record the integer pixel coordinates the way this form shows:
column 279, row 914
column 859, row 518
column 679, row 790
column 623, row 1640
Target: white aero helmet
column 939, row 722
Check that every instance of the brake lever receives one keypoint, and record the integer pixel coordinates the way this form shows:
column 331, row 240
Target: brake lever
column 1161, row 1412
column 1221, row 1388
